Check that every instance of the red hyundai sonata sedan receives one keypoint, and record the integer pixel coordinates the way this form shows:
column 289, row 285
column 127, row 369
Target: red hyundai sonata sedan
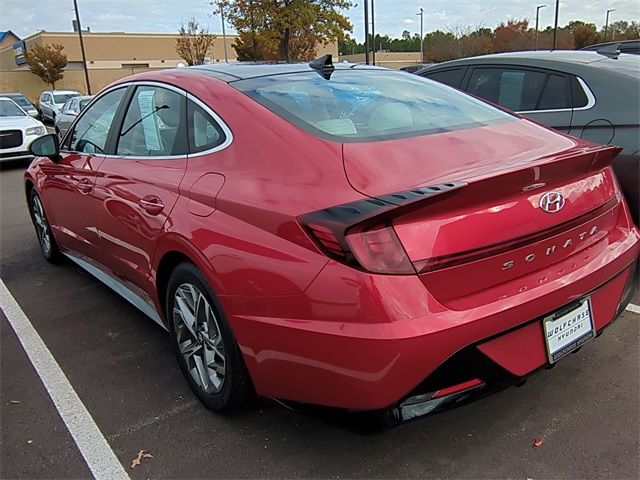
column 345, row 235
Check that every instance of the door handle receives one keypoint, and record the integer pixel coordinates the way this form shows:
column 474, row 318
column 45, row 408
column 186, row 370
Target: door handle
column 152, row 205
column 84, row 185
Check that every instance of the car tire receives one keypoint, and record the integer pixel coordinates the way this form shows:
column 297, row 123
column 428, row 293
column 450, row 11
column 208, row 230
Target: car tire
column 207, row 352
column 48, row 246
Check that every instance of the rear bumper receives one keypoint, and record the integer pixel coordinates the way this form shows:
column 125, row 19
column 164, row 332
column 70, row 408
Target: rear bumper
column 366, row 342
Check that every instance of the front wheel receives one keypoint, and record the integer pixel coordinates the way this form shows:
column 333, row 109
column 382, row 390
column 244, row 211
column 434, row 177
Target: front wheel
column 48, row 245
column 206, row 349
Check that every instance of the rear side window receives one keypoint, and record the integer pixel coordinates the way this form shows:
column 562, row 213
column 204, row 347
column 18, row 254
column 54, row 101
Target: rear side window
column 365, row 105
column 451, row 76
column 514, row 89
column 204, row 131
column 580, row 99
column 154, row 125
column 556, row 94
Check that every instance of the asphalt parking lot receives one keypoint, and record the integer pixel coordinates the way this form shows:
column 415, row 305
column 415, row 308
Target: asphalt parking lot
column 586, row 411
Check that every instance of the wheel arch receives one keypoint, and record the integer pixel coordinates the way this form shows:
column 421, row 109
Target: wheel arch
column 172, row 250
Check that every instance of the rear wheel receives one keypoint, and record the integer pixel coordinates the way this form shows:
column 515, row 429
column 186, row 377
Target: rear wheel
column 206, row 349
column 48, row 245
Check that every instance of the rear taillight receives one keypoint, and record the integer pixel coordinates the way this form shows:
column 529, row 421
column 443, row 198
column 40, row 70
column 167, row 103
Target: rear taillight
column 375, row 249
column 379, row 250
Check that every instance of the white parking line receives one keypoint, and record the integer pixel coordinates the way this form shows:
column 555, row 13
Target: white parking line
column 99, row 456
column 633, row 308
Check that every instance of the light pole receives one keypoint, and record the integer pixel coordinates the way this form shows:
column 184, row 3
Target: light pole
column 537, row 23
column 373, row 35
column 606, row 23
column 366, row 32
column 421, row 13
column 555, row 28
column 84, row 57
column 224, row 36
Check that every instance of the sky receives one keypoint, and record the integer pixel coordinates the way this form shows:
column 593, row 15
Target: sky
column 25, row 17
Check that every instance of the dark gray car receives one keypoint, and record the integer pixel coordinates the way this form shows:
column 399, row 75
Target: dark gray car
column 69, row 112
column 585, row 94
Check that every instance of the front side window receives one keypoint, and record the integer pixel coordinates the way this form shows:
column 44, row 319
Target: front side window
column 68, row 107
column 365, row 105
column 154, row 124
column 92, row 129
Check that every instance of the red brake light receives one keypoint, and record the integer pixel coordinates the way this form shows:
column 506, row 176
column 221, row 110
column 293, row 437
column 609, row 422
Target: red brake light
column 379, row 250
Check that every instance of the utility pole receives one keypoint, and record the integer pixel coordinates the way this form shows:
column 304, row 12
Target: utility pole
column 537, row 23
column 373, row 35
column 555, row 28
column 606, row 24
column 84, row 57
column 224, row 36
column 366, row 32
column 421, row 13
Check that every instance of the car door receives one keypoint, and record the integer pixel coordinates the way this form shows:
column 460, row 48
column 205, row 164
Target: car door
column 539, row 94
column 44, row 110
column 138, row 186
column 68, row 182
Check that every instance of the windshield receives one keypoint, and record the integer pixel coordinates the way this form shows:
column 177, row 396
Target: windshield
column 369, row 104
column 64, row 97
column 10, row 109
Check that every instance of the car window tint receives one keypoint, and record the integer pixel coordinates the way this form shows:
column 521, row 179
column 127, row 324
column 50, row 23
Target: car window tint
column 579, row 96
column 204, row 131
column 452, row 76
column 555, row 94
column 90, row 132
column 517, row 90
column 365, row 105
column 154, row 124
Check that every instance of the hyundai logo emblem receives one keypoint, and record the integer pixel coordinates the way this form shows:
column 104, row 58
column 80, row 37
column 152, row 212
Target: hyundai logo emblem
column 552, row 202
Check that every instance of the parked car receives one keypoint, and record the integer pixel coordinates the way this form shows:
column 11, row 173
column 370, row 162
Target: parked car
column 51, row 102
column 23, row 102
column 389, row 253
column 69, row 112
column 623, row 46
column 17, row 131
column 585, row 94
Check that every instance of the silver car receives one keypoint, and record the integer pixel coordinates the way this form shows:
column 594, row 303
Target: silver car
column 52, row 101
column 590, row 95
column 69, row 112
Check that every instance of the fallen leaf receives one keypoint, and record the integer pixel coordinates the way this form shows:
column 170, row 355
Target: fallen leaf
column 138, row 460
column 537, row 443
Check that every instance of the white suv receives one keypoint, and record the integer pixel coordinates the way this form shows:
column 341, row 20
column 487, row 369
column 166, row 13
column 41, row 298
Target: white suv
column 51, row 102
column 17, row 131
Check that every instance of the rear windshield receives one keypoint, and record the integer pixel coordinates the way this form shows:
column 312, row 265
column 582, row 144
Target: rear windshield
column 368, row 105
column 625, row 63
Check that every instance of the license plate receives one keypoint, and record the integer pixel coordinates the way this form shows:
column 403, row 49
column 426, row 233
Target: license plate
column 567, row 329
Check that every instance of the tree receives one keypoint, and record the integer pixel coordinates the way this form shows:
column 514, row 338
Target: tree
column 285, row 29
column 47, row 62
column 406, row 34
column 584, row 34
column 514, row 35
column 193, row 42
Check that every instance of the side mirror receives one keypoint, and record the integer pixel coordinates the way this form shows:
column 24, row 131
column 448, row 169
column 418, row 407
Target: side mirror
column 46, row 146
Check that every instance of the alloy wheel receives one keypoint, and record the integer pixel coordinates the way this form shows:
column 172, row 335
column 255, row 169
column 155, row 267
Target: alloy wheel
column 199, row 339
column 42, row 226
